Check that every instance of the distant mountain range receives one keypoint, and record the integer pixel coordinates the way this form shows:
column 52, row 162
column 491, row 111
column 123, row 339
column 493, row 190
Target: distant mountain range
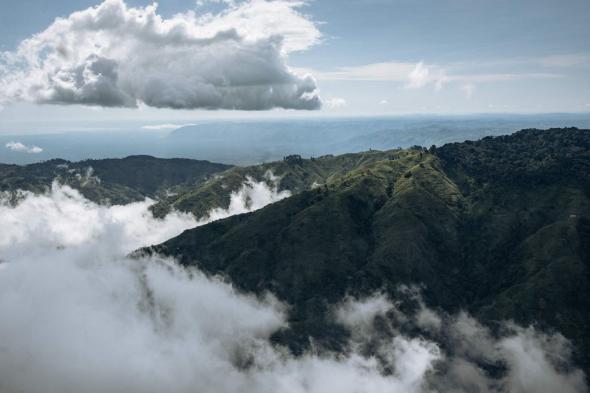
column 248, row 142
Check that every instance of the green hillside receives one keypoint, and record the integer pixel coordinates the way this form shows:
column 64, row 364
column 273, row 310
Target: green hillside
column 499, row 227
column 109, row 181
column 293, row 173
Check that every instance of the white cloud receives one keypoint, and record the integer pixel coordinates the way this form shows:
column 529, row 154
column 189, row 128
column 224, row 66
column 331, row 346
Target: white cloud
column 383, row 102
column 387, row 71
column 421, row 75
column 64, row 217
column 566, row 60
column 113, row 55
column 535, row 362
column 414, row 75
column 167, row 126
column 84, row 315
column 260, row 19
column 468, row 89
column 76, row 312
column 532, row 358
column 361, row 313
column 20, row 147
column 490, row 78
column 335, row 102
column 251, row 196
column 201, row 3
column 562, row 60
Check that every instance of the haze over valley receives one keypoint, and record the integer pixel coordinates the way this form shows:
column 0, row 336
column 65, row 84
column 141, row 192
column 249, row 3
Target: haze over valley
column 248, row 142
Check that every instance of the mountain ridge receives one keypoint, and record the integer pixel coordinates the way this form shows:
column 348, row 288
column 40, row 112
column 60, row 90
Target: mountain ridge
column 492, row 226
column 110, row 181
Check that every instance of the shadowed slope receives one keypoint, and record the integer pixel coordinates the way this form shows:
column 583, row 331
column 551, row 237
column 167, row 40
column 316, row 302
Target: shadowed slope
column 499, row 227
column 115, row 181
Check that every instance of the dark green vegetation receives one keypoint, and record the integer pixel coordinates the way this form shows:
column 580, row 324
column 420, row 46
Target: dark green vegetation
column 111, row 181
column 251, row 142
column 499, row 227
column 292, row 173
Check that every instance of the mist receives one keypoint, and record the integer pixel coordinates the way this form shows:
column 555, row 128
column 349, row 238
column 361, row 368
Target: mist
column 79, row 315
column 251, row 196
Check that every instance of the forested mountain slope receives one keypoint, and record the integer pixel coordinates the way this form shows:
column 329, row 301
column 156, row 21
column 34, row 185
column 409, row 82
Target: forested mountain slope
column 111, row 180
column 499, row 227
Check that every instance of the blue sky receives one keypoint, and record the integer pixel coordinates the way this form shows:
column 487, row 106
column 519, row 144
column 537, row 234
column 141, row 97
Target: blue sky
column 373, row 57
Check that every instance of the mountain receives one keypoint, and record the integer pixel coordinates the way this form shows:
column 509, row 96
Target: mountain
column 292, row 173
column 499, row 227
column 115, row 181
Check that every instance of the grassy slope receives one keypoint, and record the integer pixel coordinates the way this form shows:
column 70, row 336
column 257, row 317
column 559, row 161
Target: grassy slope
column 293, row 174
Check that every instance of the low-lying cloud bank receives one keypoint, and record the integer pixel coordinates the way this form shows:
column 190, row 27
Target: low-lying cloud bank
column 77, row 315
column 461, row 355
column 22, row 148
column 113, row 55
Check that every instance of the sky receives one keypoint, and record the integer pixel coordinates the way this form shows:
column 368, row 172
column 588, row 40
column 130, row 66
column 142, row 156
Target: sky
column 185, row 60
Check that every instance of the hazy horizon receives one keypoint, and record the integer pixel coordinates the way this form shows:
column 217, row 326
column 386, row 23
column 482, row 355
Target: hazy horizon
column 251, row 141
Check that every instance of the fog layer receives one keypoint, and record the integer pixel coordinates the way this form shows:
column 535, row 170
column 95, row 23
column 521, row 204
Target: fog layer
column 78, row 315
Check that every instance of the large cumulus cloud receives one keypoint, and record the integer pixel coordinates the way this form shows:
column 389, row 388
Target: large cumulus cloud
column 114, row 55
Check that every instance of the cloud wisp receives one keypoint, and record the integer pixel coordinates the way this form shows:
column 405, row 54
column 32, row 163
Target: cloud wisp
column 418, row 75
column 459, row 353
column 165, row 126
column 22, row 148
column 113, row 55
column 78, row 315
column 336, row 103
column 251, row 196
